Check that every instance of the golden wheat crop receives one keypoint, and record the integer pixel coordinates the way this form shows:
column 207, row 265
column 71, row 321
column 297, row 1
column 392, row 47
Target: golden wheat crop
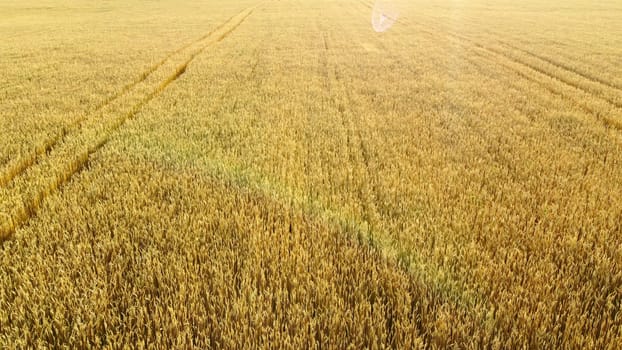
column 275, row 174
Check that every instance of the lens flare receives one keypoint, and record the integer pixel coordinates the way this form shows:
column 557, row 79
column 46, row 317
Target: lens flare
column 383, row 15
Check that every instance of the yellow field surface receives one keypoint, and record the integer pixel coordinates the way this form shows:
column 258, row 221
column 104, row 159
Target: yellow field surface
column 276, row 174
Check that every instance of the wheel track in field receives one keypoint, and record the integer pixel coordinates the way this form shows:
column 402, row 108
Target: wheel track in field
column 336, row 93
column 479, row 62
column 21, row 199
column 502, row 161
column 541, row 59
column 563, row 66
column 15, row 167
column 543, row 71
column 557, row 64
column 357, row 149
column 536, row 75
column 585, row 107
column 459, row 293
column 589, row 110
column 520, row 69
column 461, row 39
column 367, row 232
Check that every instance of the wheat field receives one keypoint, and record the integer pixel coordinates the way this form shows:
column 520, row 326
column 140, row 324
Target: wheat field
column 276, row 174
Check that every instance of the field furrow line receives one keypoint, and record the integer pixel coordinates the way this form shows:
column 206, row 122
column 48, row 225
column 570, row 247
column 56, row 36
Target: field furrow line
column 603, row 110
column 539, row 77
column 584, row 74
column 368, row 232
column 25, row 194
column 498, row 52
column 575, row 72
column 20, row 164
column 546, row 72
column 562, row 66
column 600, row 110
column 336, row 97
column 482, row 56
column 608, row 120
column 536, row 68
column 533, row 67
